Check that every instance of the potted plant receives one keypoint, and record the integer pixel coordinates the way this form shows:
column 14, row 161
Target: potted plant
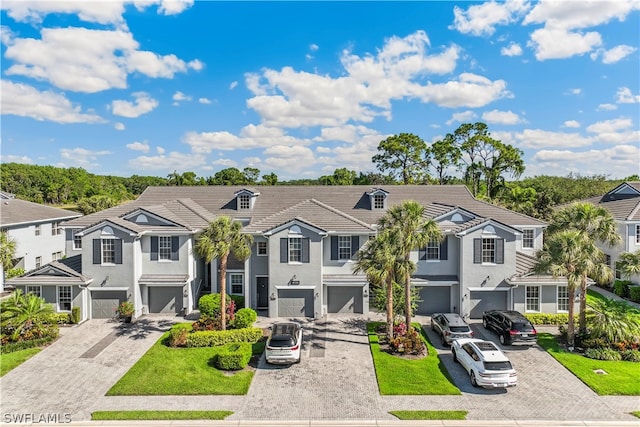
column 125, row 311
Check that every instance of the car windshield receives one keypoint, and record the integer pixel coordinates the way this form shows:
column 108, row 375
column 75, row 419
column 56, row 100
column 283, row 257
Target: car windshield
column 497, row 366
column 522, row 327
column 284, row 329
column 459, row 328
column 282, row 341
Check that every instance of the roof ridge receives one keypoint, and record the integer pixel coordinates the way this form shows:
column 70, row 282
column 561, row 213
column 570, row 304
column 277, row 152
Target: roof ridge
column 339, row 212
column 509, row 210
column 633, row 211
column 281, row 211
column 182, row 202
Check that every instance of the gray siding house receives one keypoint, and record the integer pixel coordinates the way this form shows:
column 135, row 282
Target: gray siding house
column 306, row 240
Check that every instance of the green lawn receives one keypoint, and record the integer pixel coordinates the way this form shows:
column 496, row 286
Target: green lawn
column 159, row 415
column 621, row 379
column 8, row 361
column 398, row 376
column 430, row 415
column 181, row 371
column 636, row 413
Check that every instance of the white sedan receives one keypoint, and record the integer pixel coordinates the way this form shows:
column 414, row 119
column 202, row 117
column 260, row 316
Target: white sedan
column 485, row 363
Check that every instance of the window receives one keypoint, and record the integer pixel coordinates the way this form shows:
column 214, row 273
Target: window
column 489, row 250
column 164, row 248
column 108, row 251
column 563, row 298
column 237, row 281
column 34, row 289
column 618, row 268
column 38, row 230
column 527, row 239
column 64, row 298
column 295, row 249
column 637, row 234
column 55, row 229
column 244, row 201
column 38, row 261
column 344, row 247
column 533, row 298
column 433, row 250
column 262, row 248
column 378, row 201
column 56, row 256
column 77, row 240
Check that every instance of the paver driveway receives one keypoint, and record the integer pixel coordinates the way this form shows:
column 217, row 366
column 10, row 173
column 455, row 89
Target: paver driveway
column 67, row 376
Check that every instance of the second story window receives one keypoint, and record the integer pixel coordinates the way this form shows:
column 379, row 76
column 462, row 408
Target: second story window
column 378, row 201
column 56, row 229
column 262, row 248
column 56, row 256
column 77, row 240
column 488, row 250
column 164, row 248
column 245, row 201
column 295, row 249
column 344, row 247
column 37, row 229
column 527, row 239
column 108, row 251
column 38, row 261
column 433, row 250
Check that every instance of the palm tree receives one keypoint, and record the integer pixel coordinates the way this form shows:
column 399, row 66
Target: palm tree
column 595, row 222
column 7, row 251
column 614, row 321
column 410, row 230
column 19, row 311
column 377, row 261
column 572, row 254
column 222, row 237
column 630, row 263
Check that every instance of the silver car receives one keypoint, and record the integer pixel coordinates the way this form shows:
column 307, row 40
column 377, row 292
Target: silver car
column 450, row 326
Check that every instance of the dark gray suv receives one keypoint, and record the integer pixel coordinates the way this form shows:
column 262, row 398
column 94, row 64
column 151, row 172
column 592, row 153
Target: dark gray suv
column 511, row 326
column 450, row 326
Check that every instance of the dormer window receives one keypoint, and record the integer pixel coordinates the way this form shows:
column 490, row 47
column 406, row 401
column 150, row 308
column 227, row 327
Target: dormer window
column 244, row 201
column 378, row 201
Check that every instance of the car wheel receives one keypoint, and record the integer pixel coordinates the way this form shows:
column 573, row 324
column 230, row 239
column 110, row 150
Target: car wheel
column 474, row 382
column 433, row 328
column 503, row 340
column 485, row 324
column 455, row 358
column 443, row 341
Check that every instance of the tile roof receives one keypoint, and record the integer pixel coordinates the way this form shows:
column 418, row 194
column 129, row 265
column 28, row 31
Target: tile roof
column 16, row 211
column 67, row 271
column 622, row 206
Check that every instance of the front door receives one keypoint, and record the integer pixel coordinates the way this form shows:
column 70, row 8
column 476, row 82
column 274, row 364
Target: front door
column 263, row 291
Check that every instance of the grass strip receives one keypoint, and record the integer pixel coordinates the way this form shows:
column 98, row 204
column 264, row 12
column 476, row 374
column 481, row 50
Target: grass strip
column 430, row 415
column 159, row 415
column 9, row 361
column 402, row 376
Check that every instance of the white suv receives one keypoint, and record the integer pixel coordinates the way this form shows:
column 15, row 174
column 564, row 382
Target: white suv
column 284, row 342
column 487, row 366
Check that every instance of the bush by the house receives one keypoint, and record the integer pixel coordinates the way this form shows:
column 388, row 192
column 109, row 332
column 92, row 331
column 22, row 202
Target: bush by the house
column 239, row 300
column 10, row 347
column 597, row 342
column 602, row 354
column 75, row 315
column 215, row 338
column 178, row 336
column 549, row 318
column 621, row 288
column 631, row 355
column 634, row 293
column 233, row 356
column 209, row 305
column 245, row 318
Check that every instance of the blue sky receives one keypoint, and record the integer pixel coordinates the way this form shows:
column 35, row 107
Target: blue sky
column 303, row 88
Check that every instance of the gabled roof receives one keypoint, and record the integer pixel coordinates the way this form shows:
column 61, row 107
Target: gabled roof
column 623, row 202
column 21, row 212
column 67, row 271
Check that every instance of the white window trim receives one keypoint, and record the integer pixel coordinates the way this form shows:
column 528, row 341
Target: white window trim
column 246, row 198
column 58, row 298
column 533, row 238
column 231, row 274
column 266, row 249
column 102, row 240
column 558, row 299
column 39, row 287
column 160, row 239
column 376, row 198
column 526, row 298
column 348, row 240
column 38, row 230
column 38, row 261
column 432, row 244
column 297, row 237
column 73, row 240
column 494, row 250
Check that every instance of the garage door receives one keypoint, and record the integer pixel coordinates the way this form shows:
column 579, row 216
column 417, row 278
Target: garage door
column 482, row 301
column 435, row 299
column 104, row 303
column 165, row 299
column 344, row 299
column 295, row 303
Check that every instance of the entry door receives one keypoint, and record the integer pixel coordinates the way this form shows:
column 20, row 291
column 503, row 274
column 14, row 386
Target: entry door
column 263, row 291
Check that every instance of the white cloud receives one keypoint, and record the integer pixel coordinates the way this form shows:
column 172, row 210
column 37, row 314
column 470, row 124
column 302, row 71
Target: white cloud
column 179, row 96
column 482, row 19
column 10, row 158
column 160, row 150
column 538, row 138
column 293, row 159
column 142, row 104
column 617, row 53
column 462, row 117
column 139, row 146
column 610, row 125
column 313, row 47
column 574, row 91
column 561, row 36
column 513, row 49
column 119, row 126
column 233, row 85
column 502, row 117
column 174, row 7
column 571, row 124
column 227, row 163
column 204, row 101
column 618, row 162
column 470, row 90
column 624, row 96
column 251, row 136
column 81, row 156
column 615, row 131
column 26, row 101
column 607, row 107
column 85, row 60
column 172, row 161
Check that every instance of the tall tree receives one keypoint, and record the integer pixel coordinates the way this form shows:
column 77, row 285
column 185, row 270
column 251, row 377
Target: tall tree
column 445, row 155
column 228, row 176
column 251, row 175
column 270, row 179
column 221, row 238
column 404, row 157
column 595, row 223
column 408, row 229
column 341, row 176
column 497, row 160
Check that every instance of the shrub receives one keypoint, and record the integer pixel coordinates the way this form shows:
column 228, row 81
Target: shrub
column 23, row 345
column 410, row 343
column 207, row 324
column 631, row 355
column 603, row 354
column 233, row 356
column 621, row 288
column 597, row 342
column 245, row 318
column 75, row 315
column 215, row 338
column 634, row 293
column 238, row 300
column 548, row 318
column 209, row 305
column 178, row 336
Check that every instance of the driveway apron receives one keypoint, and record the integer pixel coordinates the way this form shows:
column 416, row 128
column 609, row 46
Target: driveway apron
column 66, row 377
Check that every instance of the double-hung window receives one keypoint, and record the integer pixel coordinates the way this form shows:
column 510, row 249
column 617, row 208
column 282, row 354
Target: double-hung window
column 38, row 261
column 34, row 289
column 527, row 239
column 164, row 248
column 433, row 250
column 77, row 240
column 108, row 251
column 56, row 256
column 55, row 228
column 38, row 229
column 262, row 248
column 489, row 251
column 563, row 298
column 344, row 247
column 533, row 298
column 237, row 281
column 295, row 249
column 64, row 298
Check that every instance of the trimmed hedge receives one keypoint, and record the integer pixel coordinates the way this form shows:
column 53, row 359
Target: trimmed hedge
column 549, row 318
column 216, row 338
column 238, row 299
column 621, row 288
column 74, row 317
column 603, row 354
column 178, row 335
column 634, row 293
column 245, row 318
column 233, row 356
column 23, row 345
column 209, row 304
